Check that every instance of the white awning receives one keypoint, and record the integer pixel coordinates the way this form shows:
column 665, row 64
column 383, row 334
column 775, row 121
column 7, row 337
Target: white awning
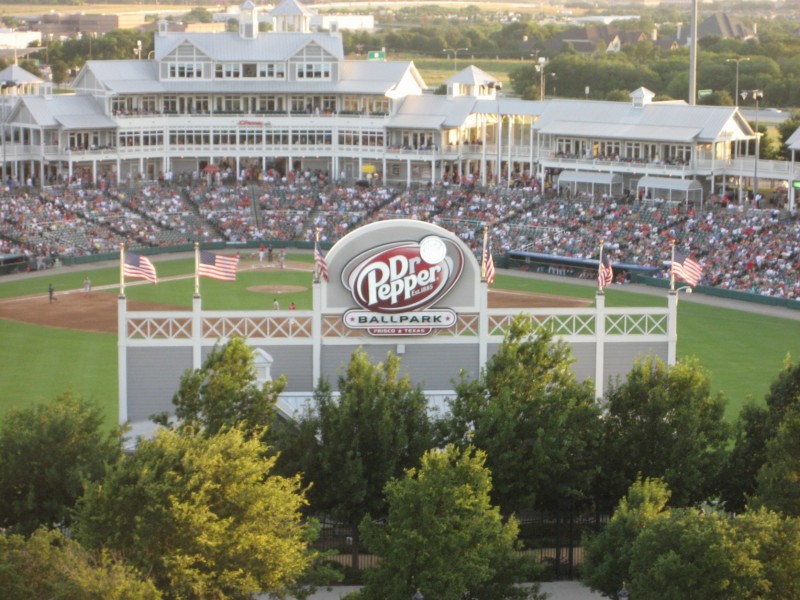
column 670, row 183
column 593, row 177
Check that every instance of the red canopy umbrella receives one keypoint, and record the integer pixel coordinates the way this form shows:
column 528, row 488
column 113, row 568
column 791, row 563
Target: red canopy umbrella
column 210, row 168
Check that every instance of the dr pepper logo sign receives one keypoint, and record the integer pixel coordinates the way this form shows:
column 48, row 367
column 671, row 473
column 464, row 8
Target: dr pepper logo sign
column 395, row 284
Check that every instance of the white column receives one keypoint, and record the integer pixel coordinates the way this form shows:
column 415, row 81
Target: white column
column 600, row 345
column 483, row 324
column 672, row 327
column 483, row 152
column 122, row 358
column 511, row 140
column 316, row 332
column 197, row 332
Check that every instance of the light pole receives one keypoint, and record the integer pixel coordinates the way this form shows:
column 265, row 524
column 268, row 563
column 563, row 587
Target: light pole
column 756, row 95
column 540, row 68
column 737, row 61
column 455, row 52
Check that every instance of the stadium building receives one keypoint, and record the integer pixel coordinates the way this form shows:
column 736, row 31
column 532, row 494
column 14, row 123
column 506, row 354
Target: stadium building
column 259, row 103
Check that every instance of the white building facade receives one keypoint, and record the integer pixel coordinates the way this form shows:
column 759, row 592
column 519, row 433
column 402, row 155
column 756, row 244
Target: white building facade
column 289, row 100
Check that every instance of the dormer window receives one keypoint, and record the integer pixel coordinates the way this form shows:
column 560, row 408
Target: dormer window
column 314, row 70
column 185, row 71
column 263, row 365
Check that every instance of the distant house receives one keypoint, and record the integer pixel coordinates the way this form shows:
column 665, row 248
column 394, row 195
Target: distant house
column 596, row 38
column 720, row 25
column 586, row 40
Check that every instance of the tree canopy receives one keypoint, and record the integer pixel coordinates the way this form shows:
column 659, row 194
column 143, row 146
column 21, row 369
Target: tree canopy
column 538, row 425
column 202, row 516
column 349, row 446
column 49, row 565
column 663, row 421
column 224, row 392
column 47, row 454
column 609, row 554
column 444, row 537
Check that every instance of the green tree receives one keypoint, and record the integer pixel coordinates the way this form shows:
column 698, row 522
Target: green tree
column 47, row 453
column 608, row 556
column 776, row 542
column 693, row 554
column 537, row 424
column 348, row 447
column 443, row 535
column 663, row 421
column 778, row 480
column 746, row 457
column 204, row 517
column 49, row 565
column 224, row 392
column 755, row 427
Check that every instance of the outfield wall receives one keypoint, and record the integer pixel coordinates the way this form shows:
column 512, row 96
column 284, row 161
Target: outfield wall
column 406, row 287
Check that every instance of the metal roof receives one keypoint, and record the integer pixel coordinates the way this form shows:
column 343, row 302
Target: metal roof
column 49, row 112
column 416, row 122
column 709, row 121
column 612, row 130
column 266, row 47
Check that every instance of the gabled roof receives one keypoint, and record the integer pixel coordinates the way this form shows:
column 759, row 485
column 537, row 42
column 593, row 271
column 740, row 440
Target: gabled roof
column 19, row 75
column 472, row 75
column 723, row 25
column 136, row 75
column 794, row 141
column 67, row 111
column 289, row 8
column 430, row 111
column 615, row 119
column 229, row 46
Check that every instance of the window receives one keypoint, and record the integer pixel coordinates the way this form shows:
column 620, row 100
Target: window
column 272, row 71
column 249, row 70
column 314, row 70
column 185, row 70
column 171, row 104
column 227, row 70
column 297, row 104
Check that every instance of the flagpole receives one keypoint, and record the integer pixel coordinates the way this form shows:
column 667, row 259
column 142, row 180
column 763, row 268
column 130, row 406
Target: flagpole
column 672, row 269
column 316, row 251
column 600, row 267
column 483, row 253
column 197, row 269
column 122, row 269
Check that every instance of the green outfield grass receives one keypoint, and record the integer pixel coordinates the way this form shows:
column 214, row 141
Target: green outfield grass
column 743, row 351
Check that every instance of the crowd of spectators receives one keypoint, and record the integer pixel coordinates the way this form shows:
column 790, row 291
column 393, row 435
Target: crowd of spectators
column 739, row 248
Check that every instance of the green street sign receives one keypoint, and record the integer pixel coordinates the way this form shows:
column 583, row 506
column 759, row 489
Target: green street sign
column 796, row 184
column 376, row 55
column 704, row 93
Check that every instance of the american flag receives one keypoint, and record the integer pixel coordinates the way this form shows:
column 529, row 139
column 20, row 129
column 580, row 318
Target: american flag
column 605, row 274
column 139, row 267
column 488, row 262
column 687, row 269
column 218, row 266
column 320, row 263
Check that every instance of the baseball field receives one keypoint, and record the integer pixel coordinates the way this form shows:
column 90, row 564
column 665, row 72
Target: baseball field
column 71, row 343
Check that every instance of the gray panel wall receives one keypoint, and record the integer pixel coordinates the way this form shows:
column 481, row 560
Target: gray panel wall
column 619, row 358
column 435, row 366
column 153, row 377
column 295, row 363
